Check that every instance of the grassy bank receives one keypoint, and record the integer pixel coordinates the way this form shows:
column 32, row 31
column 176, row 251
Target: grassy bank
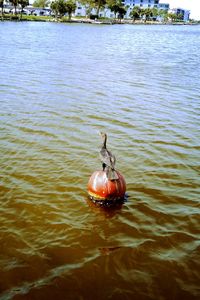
column 11, row 17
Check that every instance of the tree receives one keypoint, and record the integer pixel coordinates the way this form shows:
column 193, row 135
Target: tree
column 122, row 12
column 180, row 17
column 54, row 8
column 135, row 13
column 172, row 16
column 41, row 3
column 143, row 14
column 14, row 3
column 61, row 7
column 70, row 8
column 115, row 6
column 163, row 14
column 1, row 6
column 155, row 12
column 23, row 3
column 96, row 4
column 99, row 4
column 147, row 13
column 89, row 5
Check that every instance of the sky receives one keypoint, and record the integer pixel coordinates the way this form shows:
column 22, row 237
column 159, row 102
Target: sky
column 192, row 5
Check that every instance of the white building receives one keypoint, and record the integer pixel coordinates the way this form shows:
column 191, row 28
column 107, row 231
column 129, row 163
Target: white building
column 164, row 6
column 82, row 10
column 144, row 4
column 141, row 3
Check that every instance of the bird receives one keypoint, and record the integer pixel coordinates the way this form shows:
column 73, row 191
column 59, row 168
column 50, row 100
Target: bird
column 108, row 159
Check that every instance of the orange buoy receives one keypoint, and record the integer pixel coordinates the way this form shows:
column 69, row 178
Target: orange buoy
column 102, row 189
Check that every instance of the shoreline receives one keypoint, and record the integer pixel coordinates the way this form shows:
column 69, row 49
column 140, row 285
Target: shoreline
column 24, row 18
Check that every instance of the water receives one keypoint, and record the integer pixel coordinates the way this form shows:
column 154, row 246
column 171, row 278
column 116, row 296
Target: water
column 60, row 85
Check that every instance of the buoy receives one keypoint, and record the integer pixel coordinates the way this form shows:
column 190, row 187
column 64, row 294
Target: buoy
column 103, row 190
column 108, row 186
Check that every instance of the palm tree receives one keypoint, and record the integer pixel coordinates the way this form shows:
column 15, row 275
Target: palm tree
column 59, row 8
column 135, row 13
column 115, row 6
column 122, row 12
column 163, row 14
column 1, row 5
column 23, row 4
column 70, row 8
column 180, row 17
column 89, row 5
column 14, row 3
column 99, row 4
column 147, row 13
column 155, row 12
column 41, row 3
column 172, row 16
column 143, row 14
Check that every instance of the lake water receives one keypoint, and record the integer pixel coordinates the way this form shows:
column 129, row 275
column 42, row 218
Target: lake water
column 60, row 85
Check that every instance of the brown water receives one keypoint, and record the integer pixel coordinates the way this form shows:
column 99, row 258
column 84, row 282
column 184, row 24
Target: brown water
column 60, row 85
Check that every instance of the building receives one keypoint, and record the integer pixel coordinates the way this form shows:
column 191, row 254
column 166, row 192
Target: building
column 81, row 10
column 86, row 10
column 164, row 6
column 185, row 14
column 144, row 4
column 141, row 3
